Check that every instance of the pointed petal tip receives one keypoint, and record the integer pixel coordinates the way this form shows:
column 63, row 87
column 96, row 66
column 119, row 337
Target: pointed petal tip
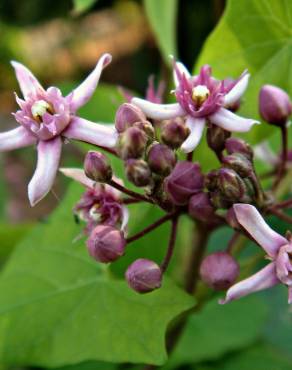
column 107, row 58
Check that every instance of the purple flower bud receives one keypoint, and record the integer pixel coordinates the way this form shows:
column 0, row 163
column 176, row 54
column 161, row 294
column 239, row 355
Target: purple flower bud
column 147, row 127
column 128, row 114
column 97, row 167
column 235, row 145
column 185, row 180
column 200, row 208
column 239, row 163
column 144, row 275
column 219, row 201
column 132, row 143
column 106, row 243
column 275, row 105
column 161, row 159
column 174, row 132
column 232, row 219
column 138, row 172
column 219, row 270
column 211, row 180
column 231, row 185
column 216, row 137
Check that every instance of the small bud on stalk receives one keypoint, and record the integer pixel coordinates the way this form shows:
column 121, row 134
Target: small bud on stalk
column 231, row 184
column 132, row 143
column 219, row 270
column 174, row 132
column 275, row 105
column 97, row 167
column 216, row 137
column 200, row 208
column 161, row 159
column 144, row 276
column 138, row 172
column 128, row 114
column 106, row 243
column 235, row 145
column 239, row 163
column 185, row 180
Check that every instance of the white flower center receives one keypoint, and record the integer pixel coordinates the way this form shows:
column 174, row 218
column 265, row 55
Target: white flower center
column 200, row 94
column 39, row 108
column 93, row 213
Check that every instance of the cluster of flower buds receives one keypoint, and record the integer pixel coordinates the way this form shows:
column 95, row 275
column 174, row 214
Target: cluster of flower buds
column 151, row 139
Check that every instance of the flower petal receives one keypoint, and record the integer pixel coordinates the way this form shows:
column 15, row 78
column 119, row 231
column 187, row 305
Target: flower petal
column 49, row 153
column 90, row 132
column 250, row 218
column 84, row 91
column 125, row 219
column 182, row 70
column 264, row 279
column 28, row 83
column 159, row 111
column 196, row 126
column 78, row 175
column 231, row 122
column 237, row 91
column 16, row 138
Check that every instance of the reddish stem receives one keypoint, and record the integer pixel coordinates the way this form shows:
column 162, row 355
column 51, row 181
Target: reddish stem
column 281, row 215
column 171, row 245
column 129, row 192
column 284, row 157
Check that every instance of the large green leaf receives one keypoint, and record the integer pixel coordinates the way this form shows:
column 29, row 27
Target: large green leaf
column 217, row 330
column 60, row 307
column 162, row 18
column 253, row 34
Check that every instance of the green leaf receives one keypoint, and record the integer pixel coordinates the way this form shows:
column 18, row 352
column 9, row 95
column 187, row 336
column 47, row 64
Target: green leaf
column 89, row 365
column 217, row 330
column 81, row 6
column 162, row 18
column 60, row 307
column 261, row 357
column 253, row 34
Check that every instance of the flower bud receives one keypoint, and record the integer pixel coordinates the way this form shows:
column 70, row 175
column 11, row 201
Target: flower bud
column 235, row 145
column 138, row 172
column 132, row 143
column 128, row 114
column 185, row 180
column 161, row 159
column 219, row 201
column 174, row 132
column 216, row 137
column 106, row 243
column 147, row 127
column 275, row 105
column 200, row 208
column 144, row 275
column 231, row 185
column 211, row 180
column 219, row 270
column 97, row 167
column 239, row 163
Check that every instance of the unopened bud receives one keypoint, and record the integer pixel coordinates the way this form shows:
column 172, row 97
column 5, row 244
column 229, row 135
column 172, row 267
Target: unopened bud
column 239, row 163
column 144, row 276
column 161, row 159
column 235, row 145
column 97, row 167
column 106, row 243
column 138, row 172
column 211, row 180
column 174, row 132
column 219, row 270
column 275, row 105
column 219, row 200
column 132, row 143
column 147, row 127
column 200, row 208
column 128, row 114
column 216, row 137
column 185, row 180
column 231, row 184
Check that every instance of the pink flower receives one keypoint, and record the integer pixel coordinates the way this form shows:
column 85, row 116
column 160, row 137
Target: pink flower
column 46, row 117
column 278, row 249
column 201, row 98
column 100, row 204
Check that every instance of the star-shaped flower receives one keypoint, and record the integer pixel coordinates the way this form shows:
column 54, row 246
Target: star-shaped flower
column 46, row 118
column 201, row 99
column 278, row 249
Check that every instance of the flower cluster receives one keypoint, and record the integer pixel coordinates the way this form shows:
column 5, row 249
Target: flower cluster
column 155, row 142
